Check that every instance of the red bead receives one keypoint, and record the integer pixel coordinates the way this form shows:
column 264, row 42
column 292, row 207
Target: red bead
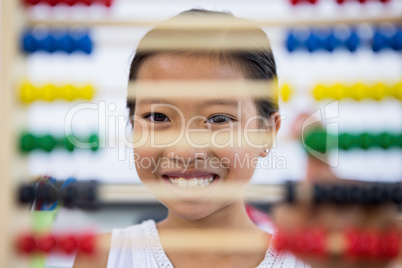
column 26, row 244
column 390, row 244
column 313, row 1
column 52, row 2
column 108, row 3
column 281, row 241
column 374, row 244
column 294, row 2
column 70, row 2
column 340, row 1
column 32, row 2
column 86, row 243
column 67, row 244
column 86, row 2
column 46, row 243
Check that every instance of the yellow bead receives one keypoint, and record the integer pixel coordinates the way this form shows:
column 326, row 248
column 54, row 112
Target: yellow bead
column 286, row 92
column 28, row 93
column 319, row 92
column 397, row 91
column 337, row 92
column 87, row 92
column 378, row 91
column 358, row 91
column 68, row 92
column 49, row 92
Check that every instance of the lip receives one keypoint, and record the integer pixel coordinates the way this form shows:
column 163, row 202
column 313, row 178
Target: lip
column 188, row 174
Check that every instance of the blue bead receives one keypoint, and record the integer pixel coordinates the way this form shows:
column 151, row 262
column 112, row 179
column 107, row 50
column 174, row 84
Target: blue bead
column 64, row 42
column 380, row 42
column 352, row 42
column 84, row 43
column 292, row 42
column 29, row 42
column 47, row 44
column 396, row 42
column 331, row 43
column 313, row 43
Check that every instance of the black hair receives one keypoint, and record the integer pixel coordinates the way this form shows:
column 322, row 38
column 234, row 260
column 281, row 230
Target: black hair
column 255, row 59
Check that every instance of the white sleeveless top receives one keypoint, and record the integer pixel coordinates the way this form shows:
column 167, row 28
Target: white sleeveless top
column 128, row 251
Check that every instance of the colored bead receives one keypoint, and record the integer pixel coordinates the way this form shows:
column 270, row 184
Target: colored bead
column 49, row 92
column 352, row 42
column 68, row 93
column 32, row 2
column 396, row 91
column 380, row 42
column 365, row 140
column 281, row 241
column 86, row 243
column 390, row 244
column 378, row 91
column 313, row 43
column 292, row 42
column 286, row 92
column 29, row 42
column 47, row 143
column 27, row 142
column 46, row 243
column 358, row 91
column 67, row 244
column 319, row 92
column 337, row 92
column 94, row 142
column 68, row 144
column 396, row 42
column 87, row 92
column 26, row 244
column 347, row 141
column 385, row 140
column 28, row 93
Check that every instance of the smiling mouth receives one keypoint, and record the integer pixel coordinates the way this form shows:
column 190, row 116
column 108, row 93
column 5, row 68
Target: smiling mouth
column 191, row 183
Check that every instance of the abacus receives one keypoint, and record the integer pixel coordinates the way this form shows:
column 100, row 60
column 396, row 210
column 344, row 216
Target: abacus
column 39, row 36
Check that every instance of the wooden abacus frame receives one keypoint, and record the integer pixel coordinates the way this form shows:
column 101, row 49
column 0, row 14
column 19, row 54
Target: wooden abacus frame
column 9, row 47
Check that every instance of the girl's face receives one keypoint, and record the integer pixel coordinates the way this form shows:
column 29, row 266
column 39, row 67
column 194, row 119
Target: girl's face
column 205, row 152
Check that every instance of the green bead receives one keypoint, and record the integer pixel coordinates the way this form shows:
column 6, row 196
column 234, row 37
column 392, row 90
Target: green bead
column 319, row 141
column 366, row 140
column 385, row 140
column 47, row 143
column 68, row 144
column 347, row 141
column 94, row 142
column 27, row 142
column 398, row 140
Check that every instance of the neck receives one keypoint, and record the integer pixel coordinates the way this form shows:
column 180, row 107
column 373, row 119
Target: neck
column 233, row 216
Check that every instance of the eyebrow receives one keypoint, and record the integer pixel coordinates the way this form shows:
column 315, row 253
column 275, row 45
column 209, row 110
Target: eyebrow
column 225, row 102
column 153, row 101
column 211, row 102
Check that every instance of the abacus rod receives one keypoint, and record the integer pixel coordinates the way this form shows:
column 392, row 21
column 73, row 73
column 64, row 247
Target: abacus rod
column 216, row 24
column 127, row 193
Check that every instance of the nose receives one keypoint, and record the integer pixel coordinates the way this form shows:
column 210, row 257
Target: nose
column 187, row 151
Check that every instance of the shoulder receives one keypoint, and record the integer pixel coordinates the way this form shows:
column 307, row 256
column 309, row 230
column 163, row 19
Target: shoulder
column 99, row 258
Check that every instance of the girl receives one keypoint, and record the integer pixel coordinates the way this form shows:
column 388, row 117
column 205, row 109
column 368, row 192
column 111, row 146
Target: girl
column 201, row 181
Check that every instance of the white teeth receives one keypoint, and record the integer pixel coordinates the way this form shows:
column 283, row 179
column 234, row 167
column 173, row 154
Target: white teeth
column 182, row 182
column 192, row 182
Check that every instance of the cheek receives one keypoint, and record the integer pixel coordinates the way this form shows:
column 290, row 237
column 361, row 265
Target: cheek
column 240, row 162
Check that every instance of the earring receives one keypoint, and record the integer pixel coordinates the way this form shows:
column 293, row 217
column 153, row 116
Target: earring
column 266, row 150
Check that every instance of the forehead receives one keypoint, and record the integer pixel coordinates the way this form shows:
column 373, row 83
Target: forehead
column 187, row 67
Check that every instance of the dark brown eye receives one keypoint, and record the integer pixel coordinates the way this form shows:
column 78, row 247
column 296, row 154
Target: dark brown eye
column 157, row 117
column 219, row 119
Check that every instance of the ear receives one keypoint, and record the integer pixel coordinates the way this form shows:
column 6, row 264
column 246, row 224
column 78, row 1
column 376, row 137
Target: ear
column 271, row 131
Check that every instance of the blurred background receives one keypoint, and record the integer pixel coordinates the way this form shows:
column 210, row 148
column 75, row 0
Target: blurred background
column 347, row 74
